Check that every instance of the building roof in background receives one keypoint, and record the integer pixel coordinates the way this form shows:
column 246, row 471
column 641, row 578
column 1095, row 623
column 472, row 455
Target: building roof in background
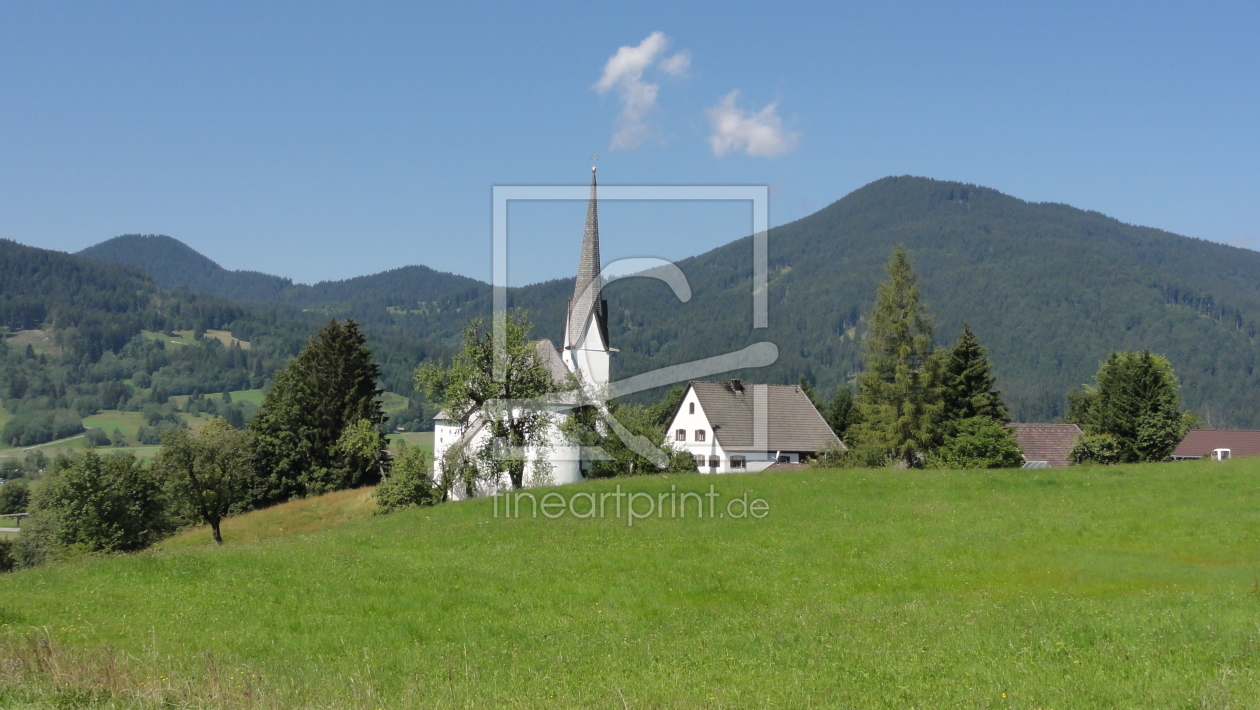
column 1047, row 442
column 792, row 421
column 1201, row 442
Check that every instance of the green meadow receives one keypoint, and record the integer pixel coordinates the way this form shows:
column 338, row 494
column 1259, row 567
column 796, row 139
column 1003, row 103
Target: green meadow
column 1129, row 586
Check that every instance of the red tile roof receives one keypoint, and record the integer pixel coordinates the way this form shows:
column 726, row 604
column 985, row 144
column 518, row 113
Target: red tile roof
column 1200, row 442
column 1047, row 442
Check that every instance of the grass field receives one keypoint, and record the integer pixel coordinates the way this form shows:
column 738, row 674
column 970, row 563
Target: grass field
column 423, row 439
column 128, row 423
column 1133, row 586
column 255, row 396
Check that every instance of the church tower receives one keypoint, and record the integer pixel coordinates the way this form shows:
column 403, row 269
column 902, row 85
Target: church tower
column 586, row 347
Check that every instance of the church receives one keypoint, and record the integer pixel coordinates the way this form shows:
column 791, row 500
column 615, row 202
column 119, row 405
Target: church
column 585, row 352
column 726, row 426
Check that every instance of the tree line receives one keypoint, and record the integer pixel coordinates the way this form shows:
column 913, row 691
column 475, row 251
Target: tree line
column 918, row 406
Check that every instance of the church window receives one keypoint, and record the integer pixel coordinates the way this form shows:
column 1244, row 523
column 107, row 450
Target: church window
column 737, row 462
column 714, row 462
column 699, row 434
column 680, row 435
column 691, row 408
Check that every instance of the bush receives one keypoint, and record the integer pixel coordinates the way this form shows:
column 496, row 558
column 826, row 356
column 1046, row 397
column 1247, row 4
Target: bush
column 94, row 503
column 978, row 442
column 14, row 497
column 1097, row 449
column 97, row 437
column 8, row 561
column 409, row 483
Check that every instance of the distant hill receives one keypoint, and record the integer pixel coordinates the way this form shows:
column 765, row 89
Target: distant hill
column 174, row 265
column 78, row 336
column 1049, row 288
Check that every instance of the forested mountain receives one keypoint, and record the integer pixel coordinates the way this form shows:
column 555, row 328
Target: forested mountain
column 82, row 336
column 174, row 265
column 1050, row 289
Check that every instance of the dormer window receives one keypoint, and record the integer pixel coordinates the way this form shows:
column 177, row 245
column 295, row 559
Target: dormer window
column 680, row 435
column 699, row 434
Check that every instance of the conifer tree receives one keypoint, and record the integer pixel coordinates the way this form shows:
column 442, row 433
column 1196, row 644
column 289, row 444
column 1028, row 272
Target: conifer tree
column 899, row 391
column 968, row 382
column 842, row 414
column 1135, row 405
column 330, row 386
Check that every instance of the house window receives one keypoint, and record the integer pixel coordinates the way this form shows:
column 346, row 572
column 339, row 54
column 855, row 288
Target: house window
column 699, row 434
column 699, row 460
column 714, row 462
column 680, row 435
column 737, row 462
column 691, row 408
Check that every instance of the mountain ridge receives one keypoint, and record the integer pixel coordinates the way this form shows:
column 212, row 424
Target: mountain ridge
column 1050, row 289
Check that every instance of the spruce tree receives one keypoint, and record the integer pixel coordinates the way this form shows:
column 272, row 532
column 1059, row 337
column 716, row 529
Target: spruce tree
column 899, row 391
column 842, row 414
column 968, row 382
column 328, row 388
column 1136, row 404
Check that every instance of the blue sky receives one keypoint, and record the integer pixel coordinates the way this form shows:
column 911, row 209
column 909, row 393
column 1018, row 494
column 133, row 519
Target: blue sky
column 324, row 141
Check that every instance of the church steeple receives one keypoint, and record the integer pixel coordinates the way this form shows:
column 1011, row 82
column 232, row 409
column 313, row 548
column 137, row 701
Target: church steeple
column 587, row 298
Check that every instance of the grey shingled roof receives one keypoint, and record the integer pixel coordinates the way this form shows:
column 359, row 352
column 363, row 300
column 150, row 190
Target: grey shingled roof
column 587, row 291
column 550, row 357
column 793, row 423
column 1047, row 442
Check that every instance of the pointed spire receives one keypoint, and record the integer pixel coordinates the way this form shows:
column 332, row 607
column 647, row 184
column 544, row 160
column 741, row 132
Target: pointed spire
column 587, row 296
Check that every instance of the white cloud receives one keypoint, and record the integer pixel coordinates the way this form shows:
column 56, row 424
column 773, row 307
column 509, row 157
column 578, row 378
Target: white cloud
column 760, row 134
column 676, row 65
column 624, row 72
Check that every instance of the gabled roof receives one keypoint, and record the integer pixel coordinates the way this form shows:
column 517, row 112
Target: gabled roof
column 1047, row 442
column 792, row 421
column 550, row 357
column 1201, row 442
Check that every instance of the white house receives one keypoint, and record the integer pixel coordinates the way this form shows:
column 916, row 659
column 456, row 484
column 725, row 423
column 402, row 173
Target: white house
column 585, row 352
column 731, row 427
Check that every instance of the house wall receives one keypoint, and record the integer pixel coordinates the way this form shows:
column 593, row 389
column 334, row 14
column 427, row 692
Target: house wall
column 691, row 422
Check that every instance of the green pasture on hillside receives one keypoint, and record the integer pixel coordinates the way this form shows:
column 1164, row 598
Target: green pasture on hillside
column 1124, row 587
column 255, row 396
column 423, row 439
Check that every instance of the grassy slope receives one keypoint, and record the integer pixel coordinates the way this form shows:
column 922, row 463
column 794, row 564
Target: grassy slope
column 296, row 517
column 423, row 439
column 1124, row 587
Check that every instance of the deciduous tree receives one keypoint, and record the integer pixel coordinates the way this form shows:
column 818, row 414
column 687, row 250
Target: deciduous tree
column 210, row 472
column 510, row 402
